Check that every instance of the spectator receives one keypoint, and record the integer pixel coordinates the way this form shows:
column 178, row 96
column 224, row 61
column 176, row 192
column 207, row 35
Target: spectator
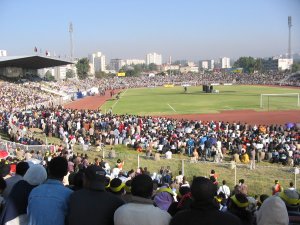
column 276, row 188
column 21, row 169
column 164, row 198
column 49, row 202
column 203, row 210
column 237, row 205
column 292, row 186
column 224, row 189
column 117, row 187
column 16, row 205
column 272, row 212
column 2, row 188
column 93, row 205
column 141, row 209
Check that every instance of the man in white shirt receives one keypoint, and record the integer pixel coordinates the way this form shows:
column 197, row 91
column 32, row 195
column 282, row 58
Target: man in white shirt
column 224, row 188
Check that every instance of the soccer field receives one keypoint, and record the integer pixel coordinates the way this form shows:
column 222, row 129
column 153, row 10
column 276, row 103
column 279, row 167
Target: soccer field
column 171, row 101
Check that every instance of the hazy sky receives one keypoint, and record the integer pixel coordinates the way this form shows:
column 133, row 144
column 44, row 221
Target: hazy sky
column 186, row 29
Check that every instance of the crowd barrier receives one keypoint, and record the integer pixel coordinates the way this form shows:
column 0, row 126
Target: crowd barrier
column 11, row 147
column 259, row 180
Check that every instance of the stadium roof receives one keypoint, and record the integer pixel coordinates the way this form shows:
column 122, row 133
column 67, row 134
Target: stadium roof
column 31, row 62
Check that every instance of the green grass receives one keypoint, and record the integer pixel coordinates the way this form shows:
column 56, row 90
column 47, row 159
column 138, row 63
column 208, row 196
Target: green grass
column 168, row 101
column 259, row 181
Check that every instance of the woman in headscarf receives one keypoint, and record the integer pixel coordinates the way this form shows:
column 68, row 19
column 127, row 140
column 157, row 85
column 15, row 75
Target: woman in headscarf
column 164, row 198
column 272, row 212
column 16, row 206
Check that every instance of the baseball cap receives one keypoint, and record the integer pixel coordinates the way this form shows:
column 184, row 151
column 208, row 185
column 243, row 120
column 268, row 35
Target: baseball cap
column 95, row 173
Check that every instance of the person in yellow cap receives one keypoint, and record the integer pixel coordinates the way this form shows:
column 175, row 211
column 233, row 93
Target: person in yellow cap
column 117, row 187
column 237, row 205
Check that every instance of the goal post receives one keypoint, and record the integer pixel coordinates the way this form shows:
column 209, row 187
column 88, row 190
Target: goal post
column 297, row 95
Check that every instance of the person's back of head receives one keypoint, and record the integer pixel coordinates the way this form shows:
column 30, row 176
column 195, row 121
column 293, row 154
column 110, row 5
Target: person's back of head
column 224, row 182
column 116, row 186
column 35, row 175
column 58, row 168
column 22, row 168
column 203, row 190
column 272, row 212
column 142, row 186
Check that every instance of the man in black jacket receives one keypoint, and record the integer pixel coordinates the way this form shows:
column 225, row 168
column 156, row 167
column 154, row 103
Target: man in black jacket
column 203, row 210
column 93, row 205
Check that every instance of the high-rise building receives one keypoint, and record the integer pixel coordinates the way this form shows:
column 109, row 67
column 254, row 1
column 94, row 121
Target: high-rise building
column 97, row 62
column 116, row 64
column 204, row 64
column 154, row 58
column 134, row 61
column 211, row 64
column 275, row 64
column 225, row 63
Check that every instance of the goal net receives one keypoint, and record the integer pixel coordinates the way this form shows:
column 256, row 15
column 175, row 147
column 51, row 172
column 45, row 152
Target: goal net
column 279, row 101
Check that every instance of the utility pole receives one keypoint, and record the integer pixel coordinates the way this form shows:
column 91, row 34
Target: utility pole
column 71, row 41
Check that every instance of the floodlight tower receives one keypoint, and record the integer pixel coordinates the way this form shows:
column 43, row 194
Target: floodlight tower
column 71, row 40
column 290, row 26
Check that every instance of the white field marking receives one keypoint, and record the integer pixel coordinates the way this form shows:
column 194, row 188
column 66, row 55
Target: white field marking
column 227, row 107
column 119, row 99
column 171, row 107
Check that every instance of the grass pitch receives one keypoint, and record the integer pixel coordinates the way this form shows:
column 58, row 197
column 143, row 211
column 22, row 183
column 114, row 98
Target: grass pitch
column 172, row 101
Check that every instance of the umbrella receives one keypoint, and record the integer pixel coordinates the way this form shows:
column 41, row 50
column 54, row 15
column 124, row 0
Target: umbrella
column 290, row 125
column 3, row 154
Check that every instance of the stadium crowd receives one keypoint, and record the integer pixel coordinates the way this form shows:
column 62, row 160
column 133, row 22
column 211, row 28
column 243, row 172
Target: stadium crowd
column 39, row 194
column 61, row 187
column 25, row 95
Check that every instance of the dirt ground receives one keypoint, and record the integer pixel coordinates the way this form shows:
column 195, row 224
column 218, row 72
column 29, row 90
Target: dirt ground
column 244, row 116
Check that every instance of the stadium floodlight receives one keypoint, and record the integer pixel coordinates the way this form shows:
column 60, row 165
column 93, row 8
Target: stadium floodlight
column 296, row 95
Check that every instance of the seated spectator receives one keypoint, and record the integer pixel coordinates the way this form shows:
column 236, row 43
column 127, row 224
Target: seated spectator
column 16, row 205
column 203, row 210
column 273, row 211
column 164, row 198
column 48, row 203
column 2, row 188
column 184, row 200
column 116, row 187
column 21, row 169
column 141, row 209
column 237, row 205
column 93, row 205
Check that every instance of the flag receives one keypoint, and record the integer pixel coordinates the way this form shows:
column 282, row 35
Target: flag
column 35, row 49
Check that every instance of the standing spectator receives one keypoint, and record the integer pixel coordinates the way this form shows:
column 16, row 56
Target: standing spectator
column 225, row 189
column 141, row 209
column 49, row 202
column 276, row 188
column 252, row 157
column 203, row 210
column 92, row 205
column 21, row 169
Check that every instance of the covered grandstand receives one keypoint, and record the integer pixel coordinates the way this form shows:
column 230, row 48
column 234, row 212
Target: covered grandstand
column 20, row 66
